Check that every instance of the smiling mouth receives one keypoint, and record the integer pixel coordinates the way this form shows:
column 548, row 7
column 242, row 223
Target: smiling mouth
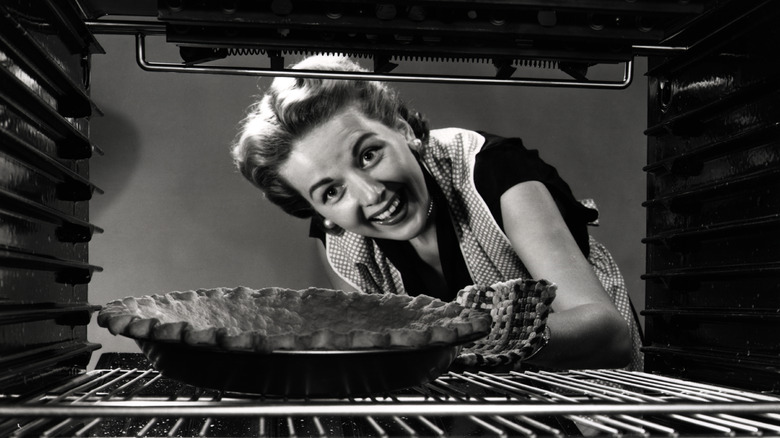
column 392, row 213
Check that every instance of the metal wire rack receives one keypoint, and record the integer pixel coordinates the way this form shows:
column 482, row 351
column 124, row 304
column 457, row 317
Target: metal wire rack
column 135, row 402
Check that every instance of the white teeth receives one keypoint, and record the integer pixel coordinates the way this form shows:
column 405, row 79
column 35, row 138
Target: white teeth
column 390, row 210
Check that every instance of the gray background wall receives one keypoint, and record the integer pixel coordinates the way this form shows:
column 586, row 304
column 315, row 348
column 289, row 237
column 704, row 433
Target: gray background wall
column 178, row 217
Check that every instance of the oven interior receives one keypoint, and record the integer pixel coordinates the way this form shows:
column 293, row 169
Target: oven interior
column 711, row 346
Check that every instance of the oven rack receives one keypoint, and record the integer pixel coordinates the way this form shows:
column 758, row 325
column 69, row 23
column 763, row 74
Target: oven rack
column 138, row 402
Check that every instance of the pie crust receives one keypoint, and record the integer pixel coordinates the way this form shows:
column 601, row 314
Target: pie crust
column 273, row 319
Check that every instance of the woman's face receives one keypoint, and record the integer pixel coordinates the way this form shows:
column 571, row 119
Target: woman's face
column 361, row 175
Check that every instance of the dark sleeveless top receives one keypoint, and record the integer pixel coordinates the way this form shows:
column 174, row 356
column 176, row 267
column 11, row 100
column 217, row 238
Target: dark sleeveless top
column 501, row 164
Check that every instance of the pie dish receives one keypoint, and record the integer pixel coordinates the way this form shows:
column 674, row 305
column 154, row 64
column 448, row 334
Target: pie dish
column 277, row 319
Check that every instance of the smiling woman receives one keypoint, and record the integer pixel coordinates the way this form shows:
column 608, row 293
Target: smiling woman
column 362, row 176
column 401, row 209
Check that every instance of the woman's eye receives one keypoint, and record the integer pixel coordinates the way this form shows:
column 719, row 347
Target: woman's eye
column 330, row 193
column 369, row 156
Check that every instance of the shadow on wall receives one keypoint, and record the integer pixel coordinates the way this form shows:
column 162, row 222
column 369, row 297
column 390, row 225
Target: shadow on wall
column 177, row 214
column 117, row 136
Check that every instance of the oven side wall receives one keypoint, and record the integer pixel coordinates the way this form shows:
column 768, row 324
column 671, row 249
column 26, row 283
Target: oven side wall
column 44, row 192
column 713, row 263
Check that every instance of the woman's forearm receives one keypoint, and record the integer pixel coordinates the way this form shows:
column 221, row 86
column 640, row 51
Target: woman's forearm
column 588, row 336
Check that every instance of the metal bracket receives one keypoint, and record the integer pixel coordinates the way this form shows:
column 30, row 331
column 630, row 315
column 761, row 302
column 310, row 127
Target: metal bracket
column 153, row 66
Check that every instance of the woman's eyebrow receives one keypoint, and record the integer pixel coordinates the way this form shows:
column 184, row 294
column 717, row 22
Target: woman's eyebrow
column 318, row 184
column 359, row 142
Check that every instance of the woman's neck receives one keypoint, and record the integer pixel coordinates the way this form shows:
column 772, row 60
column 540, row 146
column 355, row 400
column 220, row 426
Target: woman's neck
column 426, row 244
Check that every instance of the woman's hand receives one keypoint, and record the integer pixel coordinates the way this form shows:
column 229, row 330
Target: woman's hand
column 587, row 331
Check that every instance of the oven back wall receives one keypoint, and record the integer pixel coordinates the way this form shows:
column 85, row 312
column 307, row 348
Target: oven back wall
column 177, row 216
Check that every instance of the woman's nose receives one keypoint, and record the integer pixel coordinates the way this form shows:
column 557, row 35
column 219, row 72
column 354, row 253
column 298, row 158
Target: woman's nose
column 369, row 191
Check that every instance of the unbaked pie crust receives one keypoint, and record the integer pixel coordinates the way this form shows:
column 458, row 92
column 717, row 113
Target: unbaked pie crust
column 273, row 319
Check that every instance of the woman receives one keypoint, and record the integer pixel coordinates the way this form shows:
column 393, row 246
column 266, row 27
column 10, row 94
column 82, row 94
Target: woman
column 403, row 209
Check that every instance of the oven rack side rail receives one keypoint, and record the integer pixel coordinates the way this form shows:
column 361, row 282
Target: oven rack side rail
column 363, row 409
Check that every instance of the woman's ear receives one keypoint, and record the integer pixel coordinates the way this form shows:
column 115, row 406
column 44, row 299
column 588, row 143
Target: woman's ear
column 327, row 225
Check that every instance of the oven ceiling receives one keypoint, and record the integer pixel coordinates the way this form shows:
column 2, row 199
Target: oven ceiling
column 570, row 35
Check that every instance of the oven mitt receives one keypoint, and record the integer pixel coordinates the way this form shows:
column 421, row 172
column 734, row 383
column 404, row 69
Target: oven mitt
column 519, row 309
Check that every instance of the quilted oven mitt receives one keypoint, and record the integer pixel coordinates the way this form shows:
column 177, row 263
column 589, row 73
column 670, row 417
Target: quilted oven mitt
column 519, row 309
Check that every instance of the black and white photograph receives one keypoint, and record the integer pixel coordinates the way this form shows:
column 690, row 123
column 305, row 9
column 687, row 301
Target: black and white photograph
column 288, row 218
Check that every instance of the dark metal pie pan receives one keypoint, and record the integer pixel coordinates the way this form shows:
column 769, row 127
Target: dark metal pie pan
column 314, row 373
